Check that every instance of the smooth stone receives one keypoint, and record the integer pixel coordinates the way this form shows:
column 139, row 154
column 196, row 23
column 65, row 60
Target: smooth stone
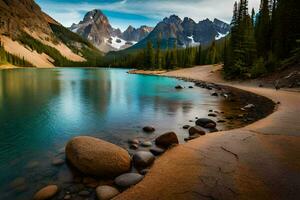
column 142, row 159
column 134, row 146
column 186, row 127
column 212, row 115
column 179, row 87
column 97, row 157
column 58, row 161
column 196, row 130
column 149, row 129
column 106, row 192
column 67, row 197
column 204, row 121
column 214, row 94
column 46, row 192
column 147, row 144
column 167, row 140
column 84, row 193
column 133, row 141
column 157, row 151
column 210, row 125
column 128, row 179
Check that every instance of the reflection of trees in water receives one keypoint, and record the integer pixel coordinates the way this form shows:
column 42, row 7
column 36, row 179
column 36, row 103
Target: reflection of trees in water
column 24, row 87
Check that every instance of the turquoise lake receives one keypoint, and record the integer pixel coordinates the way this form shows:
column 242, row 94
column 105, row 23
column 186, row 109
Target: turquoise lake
column 41, row 109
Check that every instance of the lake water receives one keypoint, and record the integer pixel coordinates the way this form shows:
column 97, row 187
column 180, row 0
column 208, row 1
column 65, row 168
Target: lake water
column 41, row 109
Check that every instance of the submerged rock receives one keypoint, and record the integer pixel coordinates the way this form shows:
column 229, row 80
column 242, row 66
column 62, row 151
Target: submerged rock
column 157, row 151
column 167, row 140
column 143, row 159
column 178, row 87
column 149, row 129
column 128, row 179
column 106, row 192
column 204, row 121
column 186, row 127
column 196, row 130
column 147, row 144
column 97, row 157
column 46, row 192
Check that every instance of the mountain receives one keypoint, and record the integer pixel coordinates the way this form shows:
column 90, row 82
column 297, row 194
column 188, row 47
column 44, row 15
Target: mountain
column 136, row 34
column 95, row 27
column 173, row 30
column 30, row 34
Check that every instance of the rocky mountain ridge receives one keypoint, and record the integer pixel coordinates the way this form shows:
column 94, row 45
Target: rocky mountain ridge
column 96, row 28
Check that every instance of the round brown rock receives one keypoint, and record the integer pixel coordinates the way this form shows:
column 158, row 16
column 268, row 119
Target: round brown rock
column 93, row 156
column 46, row 192
column 166, row 140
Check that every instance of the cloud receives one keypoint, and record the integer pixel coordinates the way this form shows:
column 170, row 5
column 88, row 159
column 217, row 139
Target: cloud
column 68, row 12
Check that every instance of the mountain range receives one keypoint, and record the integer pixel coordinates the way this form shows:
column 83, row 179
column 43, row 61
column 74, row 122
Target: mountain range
column 96, row 28
column 29, row 33
column 183, row 33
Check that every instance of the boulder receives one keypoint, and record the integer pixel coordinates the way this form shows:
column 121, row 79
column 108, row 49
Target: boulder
column 143, row 159
column 196, row 130
column 167, row 140
column 149, row 129
column 96, row 157
column 128, row 179
column 46, row 192
column 106, row 192
column 204, row 121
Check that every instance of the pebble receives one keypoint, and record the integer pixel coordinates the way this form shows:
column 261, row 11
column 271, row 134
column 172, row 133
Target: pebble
column 212, row 115
column 157, row 151
column 149, row 129
column 147, row 144
column 133, row 141
column 142, row 159
column 106, row 192
column 128, row 179
column 134, row 146
column 186, row 127
column 46, row 192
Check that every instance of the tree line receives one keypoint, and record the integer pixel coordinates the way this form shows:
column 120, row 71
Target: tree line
column 6, row 57
column 259, row 43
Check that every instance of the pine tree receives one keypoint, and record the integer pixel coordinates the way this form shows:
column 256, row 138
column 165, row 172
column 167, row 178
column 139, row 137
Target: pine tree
column 150, row 60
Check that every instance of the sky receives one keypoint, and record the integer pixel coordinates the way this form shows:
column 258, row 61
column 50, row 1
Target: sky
column 122, row 13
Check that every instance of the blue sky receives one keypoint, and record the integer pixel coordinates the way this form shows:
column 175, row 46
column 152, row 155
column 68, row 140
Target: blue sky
column 122, row 13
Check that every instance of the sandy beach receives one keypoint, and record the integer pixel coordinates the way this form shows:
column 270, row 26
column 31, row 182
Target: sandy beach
column 259, row 161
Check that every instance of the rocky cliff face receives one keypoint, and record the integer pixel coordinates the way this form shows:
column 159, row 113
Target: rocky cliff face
column 136, row 34
column 96, row 28
column 186, row 32
column 27, row 32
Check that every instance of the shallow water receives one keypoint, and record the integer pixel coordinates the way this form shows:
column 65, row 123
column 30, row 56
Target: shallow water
column 41, row 109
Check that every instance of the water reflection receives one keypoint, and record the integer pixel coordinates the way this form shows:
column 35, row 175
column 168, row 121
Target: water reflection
column 40, row 109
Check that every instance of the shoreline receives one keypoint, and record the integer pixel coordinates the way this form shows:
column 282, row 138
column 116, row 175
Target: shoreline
column 255, row 155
